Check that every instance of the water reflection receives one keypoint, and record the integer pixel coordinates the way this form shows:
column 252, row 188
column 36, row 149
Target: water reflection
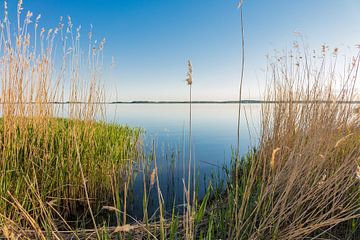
column 214, row 136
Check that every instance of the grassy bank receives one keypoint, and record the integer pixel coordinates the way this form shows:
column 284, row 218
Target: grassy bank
column 69, row 178
column 55, row 173
column 52, row 168
column 303, row 181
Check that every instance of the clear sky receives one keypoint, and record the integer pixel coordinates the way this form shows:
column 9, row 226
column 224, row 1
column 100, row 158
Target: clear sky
column 151, row 40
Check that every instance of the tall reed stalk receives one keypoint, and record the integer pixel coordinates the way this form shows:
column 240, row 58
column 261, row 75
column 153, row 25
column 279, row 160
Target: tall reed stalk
column 237, row 154
column 188, row 222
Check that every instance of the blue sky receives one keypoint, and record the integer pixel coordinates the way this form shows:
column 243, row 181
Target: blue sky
column 151, row 40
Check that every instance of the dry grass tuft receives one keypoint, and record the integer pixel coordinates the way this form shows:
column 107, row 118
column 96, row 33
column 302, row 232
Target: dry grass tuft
column 308, row 188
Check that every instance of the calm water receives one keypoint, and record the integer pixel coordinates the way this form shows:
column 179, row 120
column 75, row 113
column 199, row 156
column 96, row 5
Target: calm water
column 214, row 130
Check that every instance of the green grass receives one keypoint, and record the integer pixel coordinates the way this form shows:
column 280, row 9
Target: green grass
column 44, row 158
column 71, row 177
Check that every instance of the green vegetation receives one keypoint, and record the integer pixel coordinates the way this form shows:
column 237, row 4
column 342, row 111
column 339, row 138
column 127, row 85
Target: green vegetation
column 44, row 161
column 303, row 178
column 56, row 174
column 70, row 178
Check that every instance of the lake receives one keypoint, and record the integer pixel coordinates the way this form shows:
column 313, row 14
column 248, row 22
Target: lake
column 214, row 133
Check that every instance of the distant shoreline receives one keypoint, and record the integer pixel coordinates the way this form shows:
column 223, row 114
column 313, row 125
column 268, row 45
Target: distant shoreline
column 227, row 102
column 193, row 102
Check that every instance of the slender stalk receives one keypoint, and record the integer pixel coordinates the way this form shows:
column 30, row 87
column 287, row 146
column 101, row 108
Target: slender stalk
column 189, row 81
column 85, row 187
column 189, row 167
column 237, row 155
column 184, row 174
column 159, row 195
column 190, row 147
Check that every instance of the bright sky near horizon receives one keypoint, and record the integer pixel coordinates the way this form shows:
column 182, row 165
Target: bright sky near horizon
column 151, row 40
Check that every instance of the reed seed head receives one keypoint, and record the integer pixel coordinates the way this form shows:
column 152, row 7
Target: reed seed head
column 273, row 155
column 189, row 79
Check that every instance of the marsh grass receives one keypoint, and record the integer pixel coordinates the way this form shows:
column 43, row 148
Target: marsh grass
column 301, row 181
column 69, row 178
column 56, row 173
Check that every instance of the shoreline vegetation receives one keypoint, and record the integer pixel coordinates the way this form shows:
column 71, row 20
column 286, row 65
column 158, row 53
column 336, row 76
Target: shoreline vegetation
column 69, row 175
column 59, row 166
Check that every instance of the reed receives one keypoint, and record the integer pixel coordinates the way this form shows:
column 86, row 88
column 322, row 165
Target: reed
column 58, row 161
column 237, row 155
column 66, row 174
column 301, row 181
column 189, row 223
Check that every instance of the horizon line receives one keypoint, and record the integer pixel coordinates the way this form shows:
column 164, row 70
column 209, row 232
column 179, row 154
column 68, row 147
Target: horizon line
column 246, row 101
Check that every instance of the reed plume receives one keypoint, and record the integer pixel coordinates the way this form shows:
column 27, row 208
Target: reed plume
column 188, row 214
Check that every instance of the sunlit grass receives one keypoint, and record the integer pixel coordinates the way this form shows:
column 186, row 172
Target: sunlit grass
column 47, row 155
column 301, row 181
column 56, row 173
column 70, row 177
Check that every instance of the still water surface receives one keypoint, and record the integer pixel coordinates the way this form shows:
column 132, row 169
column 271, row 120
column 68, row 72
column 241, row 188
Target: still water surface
column 214, row 131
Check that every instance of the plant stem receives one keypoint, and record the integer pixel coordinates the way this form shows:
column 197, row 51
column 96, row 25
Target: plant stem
column 237, row 157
